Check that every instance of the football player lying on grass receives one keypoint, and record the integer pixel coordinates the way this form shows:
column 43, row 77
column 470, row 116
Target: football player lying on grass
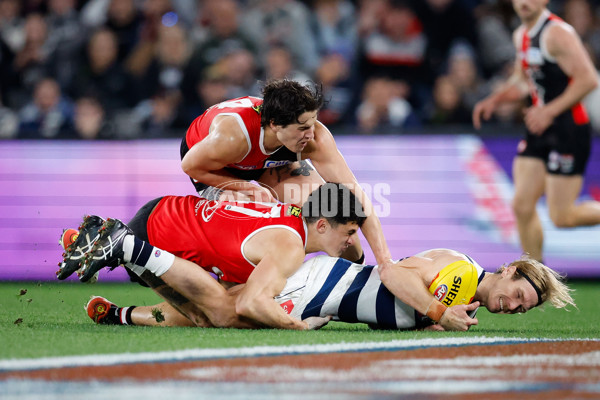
column 258, row 244
column 328, row 286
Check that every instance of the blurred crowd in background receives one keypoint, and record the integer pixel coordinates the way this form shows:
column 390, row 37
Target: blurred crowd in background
column 126, row 69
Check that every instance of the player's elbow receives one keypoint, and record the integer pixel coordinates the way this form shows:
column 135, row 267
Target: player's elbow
column 246, row 306
column 188, row 166
column 385, row 273
column 591, row 82
column 594, row 83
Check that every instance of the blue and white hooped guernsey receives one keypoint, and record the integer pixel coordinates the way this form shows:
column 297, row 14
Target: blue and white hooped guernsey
column 348, row 292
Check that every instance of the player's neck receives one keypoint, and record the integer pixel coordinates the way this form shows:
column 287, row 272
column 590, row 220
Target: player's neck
column 312, row 239
column 483, row 289
column 529, row 23
column 270, row 141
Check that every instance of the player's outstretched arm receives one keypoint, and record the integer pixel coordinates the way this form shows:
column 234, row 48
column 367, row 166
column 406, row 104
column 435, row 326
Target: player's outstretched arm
column 408, row 281
column 331, row 165
column 514, row 89
column 281, row 253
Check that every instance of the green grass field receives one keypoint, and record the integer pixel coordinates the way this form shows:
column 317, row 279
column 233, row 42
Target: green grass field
column 49, row 320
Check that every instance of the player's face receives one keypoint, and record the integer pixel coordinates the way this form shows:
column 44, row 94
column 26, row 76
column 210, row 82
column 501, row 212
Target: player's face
column 529, row 10
column 337, row 239
column 296, row 136
column 510, row 296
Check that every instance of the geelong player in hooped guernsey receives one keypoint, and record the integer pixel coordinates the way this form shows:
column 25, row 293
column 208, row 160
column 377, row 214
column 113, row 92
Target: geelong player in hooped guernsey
column 354, row 293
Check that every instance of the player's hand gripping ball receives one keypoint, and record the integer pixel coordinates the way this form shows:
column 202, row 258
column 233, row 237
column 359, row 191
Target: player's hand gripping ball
column 455, row 284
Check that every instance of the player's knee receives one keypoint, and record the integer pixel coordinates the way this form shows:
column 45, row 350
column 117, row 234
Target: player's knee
column 522, row 208
column 562, row 218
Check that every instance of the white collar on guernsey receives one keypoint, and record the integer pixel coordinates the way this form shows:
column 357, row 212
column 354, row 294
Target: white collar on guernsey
column 261, row 143
column 538, row 25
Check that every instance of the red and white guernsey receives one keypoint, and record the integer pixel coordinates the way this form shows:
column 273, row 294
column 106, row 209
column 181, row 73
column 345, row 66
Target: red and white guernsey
column 246, row 110
column 546, row 79
column 212, row 234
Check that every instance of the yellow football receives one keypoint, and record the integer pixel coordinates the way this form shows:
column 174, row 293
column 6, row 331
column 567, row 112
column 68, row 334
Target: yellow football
column 455, row 284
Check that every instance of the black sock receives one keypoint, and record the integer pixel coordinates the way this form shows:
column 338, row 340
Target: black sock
column 128, row 315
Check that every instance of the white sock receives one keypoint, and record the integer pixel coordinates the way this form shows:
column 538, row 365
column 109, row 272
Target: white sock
column 142, row 255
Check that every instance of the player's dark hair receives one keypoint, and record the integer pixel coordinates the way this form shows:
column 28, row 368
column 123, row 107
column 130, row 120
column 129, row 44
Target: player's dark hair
column 284, row 100
column 334, row 202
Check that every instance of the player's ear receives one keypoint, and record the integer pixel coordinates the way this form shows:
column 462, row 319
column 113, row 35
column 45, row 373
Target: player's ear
column 509, row 271
column 322, row 225
column 273, row 126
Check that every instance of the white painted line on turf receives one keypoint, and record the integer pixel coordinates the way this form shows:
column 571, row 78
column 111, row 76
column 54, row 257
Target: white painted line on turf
column 204, row 354
column 543, row 366
column 190, row 390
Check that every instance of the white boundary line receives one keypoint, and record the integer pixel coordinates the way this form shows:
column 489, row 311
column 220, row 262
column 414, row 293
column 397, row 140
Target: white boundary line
column 204, row 354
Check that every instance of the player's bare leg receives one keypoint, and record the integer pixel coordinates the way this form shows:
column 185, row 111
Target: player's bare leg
column 529, row 181
column 293, row 183
column 562, row 193
column 213, row 301
column 187, row 309
column 162, row 314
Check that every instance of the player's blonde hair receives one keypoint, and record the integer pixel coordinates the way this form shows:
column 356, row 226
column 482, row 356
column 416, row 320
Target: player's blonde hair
column 550, row 283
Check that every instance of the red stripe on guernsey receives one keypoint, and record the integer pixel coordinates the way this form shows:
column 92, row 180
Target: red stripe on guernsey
column 580, row 115
column 535, row 100
column 578, row 111
column 554, row 17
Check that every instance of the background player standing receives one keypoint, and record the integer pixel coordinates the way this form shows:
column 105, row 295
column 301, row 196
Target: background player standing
column 554, row 65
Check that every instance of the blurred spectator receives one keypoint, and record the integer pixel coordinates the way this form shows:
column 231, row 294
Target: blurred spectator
column 580, row 15
column 11, row 24
column 240, row 71
column 447, row 108
column 212, row 89
column 154, row 12
column 334, row 73
column 383, row 107
column 334, row 24
column 66, row 37
column 444, row 22
column 396, row 49
column 370, row 13
column 9, row 123
column 90, row 120
column 166, row 69
column 159, row 116
column 102, row 76
column 30, row 60
column 287, row 22
column 495, row 45
column 223, row 37
column 279, row 64
column 48, row 116
column 462, row 71
column 125, row 20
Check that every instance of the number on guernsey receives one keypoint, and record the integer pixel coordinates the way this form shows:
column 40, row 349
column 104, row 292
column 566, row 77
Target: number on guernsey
column 235, row 103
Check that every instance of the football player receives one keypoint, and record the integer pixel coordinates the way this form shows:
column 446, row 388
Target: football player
column 349, row 292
